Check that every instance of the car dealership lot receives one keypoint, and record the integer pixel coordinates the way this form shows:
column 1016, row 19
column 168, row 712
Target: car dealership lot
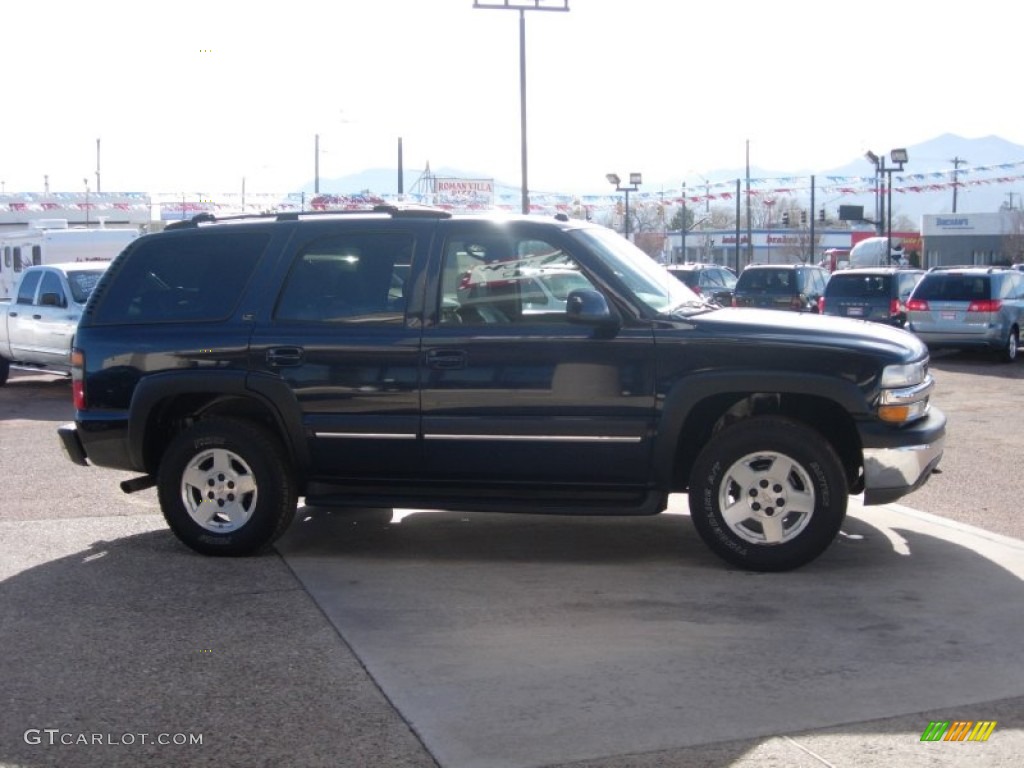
column 462, row 639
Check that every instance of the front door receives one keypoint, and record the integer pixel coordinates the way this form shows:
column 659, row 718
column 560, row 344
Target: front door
column 513, row 393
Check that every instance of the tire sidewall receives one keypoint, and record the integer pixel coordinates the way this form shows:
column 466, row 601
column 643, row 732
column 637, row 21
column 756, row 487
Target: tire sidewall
column 260, row 450
column 778, row 435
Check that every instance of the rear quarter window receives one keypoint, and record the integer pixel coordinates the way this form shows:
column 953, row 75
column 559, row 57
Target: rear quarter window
column 194, row 276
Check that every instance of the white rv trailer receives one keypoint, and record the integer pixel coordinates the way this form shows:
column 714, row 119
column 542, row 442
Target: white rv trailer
column 51, row 241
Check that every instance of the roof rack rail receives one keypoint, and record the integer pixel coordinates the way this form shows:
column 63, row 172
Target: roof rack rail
column 399, row 210
column 988, row 268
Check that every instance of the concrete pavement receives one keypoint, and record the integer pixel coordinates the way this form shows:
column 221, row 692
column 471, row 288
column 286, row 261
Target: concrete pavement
column 480, row 640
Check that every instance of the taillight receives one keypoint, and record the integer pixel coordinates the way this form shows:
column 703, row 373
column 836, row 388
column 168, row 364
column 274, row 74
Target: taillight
column 985, row 305
column 821, row 305
column 78, row 379
column 917, row 305
column 894, row 307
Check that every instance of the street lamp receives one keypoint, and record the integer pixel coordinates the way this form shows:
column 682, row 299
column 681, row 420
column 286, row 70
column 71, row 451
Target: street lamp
column 635, row 180
column 879, row 163
column 522, row 6
column 897, row 156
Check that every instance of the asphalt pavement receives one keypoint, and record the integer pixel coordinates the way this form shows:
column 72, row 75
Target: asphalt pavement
column 389, row 638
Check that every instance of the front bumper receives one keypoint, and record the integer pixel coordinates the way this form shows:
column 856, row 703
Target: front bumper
column 899, row 461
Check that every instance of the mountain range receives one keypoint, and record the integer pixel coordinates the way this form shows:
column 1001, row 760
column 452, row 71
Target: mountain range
column 989, row 173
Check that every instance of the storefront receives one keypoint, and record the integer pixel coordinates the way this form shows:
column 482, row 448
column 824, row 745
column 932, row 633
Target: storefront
column 973, row 238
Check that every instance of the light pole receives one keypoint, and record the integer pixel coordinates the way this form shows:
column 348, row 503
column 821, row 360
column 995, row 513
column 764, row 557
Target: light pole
column 897, row 156
column 769, row 203
column 879, row 163
column 882, row 217
column 521, row 6
column 635, row 180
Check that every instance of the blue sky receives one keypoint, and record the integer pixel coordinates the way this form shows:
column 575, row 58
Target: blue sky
column 199, row 95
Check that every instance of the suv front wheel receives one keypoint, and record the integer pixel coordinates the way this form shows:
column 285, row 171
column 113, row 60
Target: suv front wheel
column 225, row 489
column 768, row 494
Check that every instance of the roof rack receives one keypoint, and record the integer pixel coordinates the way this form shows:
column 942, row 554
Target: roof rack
column 987, row 268
column 397, row 211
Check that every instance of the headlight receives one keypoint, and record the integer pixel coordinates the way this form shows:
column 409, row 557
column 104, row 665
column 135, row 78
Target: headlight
column 894, row 376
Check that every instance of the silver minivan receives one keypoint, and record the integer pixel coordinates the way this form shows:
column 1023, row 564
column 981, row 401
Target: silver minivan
column 965, row 307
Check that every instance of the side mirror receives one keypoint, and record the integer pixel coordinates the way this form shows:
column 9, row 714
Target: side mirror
column 51, row 300
column 588, row 307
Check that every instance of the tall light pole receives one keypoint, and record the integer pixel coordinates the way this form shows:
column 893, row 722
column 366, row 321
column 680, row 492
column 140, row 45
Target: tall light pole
column 316, row 164
column 635, row 180
column 879, row 163
column 522, row 6
column 897, row 156
column 769, row 203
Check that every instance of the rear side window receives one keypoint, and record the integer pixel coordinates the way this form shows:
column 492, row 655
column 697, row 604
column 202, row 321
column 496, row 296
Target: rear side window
column 355, row 277
column 27, row 289
column 939, row 287
column 198, row 276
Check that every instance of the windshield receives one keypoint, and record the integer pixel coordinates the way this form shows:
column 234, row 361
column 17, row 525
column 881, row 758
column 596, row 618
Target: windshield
column 651, row 283
column 82, row 283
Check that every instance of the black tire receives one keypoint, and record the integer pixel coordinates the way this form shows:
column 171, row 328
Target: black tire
column 1011, row 348
column 5, row 370
column 243, row 469
column 787, row 489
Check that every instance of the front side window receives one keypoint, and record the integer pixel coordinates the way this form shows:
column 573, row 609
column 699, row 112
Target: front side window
column 496, row 277
column 51, row 284
column 347, row 278
column 187, row 276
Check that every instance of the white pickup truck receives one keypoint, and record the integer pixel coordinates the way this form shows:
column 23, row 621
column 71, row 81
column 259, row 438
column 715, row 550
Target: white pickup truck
column 37, row 324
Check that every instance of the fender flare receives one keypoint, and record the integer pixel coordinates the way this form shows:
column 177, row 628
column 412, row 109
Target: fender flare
column 687, row 393
column 268, row 391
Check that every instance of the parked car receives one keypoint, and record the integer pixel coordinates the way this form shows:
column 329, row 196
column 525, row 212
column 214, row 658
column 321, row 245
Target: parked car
column 792, row 287
column 711, row 281
column 870, row 293
column 240, row 365
column 965, row 307
column 38, row 324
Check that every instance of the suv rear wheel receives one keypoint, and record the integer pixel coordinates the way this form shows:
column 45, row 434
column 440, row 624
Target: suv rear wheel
column 225, row 488
column 768, row 494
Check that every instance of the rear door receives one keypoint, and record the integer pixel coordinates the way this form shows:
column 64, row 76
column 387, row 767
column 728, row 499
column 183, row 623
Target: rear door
column 20, row 323
column 343, row 337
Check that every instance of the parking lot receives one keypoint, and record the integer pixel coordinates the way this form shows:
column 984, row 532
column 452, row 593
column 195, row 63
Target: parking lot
column 384, row 639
